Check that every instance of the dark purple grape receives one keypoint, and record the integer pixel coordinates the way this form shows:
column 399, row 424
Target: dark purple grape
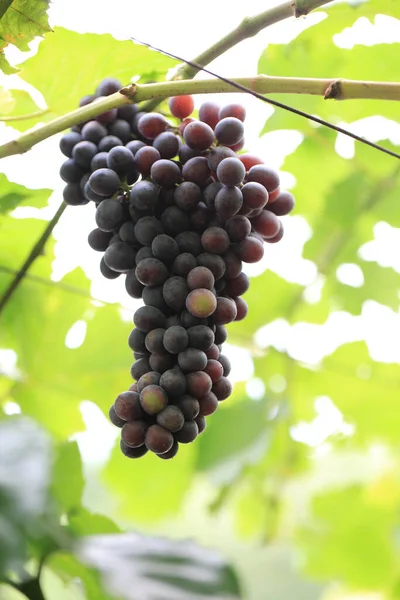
column 133, row 285
column 233, row 265
column 192, row 359
column 120, row 257
column 222, row 388
column 135, row 145
column 133, row 433
column 210, row 192
column 228, row 201
column 166, row 173
column 127, row 112
column 171, row 453
column 153, row 399
column 158, row 439
column 174, row 221
column 99, row 161
column 173, row 381
column 196, row 170
column 226, row 364
column 200, row 217
column 167, row 144
column 151, row 271
column 238, row 286
column 109, row 214
column 231, row 171
column 187, row 195
column 121, row 129
column 83, row 153
column 68, row 141
column 283, row 205
column 114, row 418
column 200, row 277
column 142, row 253
column 186, row 153
column 201, row 423
column 120, row 160
column 188, row 320
column 172, row 320
column 150, row 125
column 146, row 230
column 171, row 418
column 214, row 263
column 165, row 248
column 215, row 240
column 133, row 452
column 150, row 378
column 201, row 337
column 147, row 318
column 136, row 340
column 198, row 135
column 189, row 242
column 127, row 406
column 184, row 263
column 208, row 404
column 250, row 250
column 175, row 291
column 189, row 407
column 71, row 172
column 175, row 339
column 153, row 296
column 93, row 131
column 162, row 362
column 238, row 228
column 98, row 239
column 198, row 384
column 229, row 131
column 109, row 142
column 104, row 182
column 107, row 272
column 217, row 155
column 139, row 368
column 108, row 86
column 127, row 233
column 188, row 433
column 144, row 195
column 221, row 334
column 154, row 340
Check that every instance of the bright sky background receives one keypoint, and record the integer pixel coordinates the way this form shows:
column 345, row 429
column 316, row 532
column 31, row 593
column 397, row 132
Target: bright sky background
column 196, row 27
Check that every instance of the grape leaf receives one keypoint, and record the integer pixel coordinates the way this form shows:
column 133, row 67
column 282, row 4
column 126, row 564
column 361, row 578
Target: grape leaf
column 23, row 21
column 14, row 194
column 135, row 566
column 67, row 479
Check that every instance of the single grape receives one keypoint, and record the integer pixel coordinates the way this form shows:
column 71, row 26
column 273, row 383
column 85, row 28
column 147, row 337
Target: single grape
column 109, row 142
column 146, row 230
column 214, row 369
column 133, row 433
column 233, row 110
column 189, row 407
column 71, row 172
column 188, row 320
column 213, row 262
column 153, row 296
column 99, row 161
column 150, row 378
column 198, row 384
column 241, row 308
column 215, row 240
column 187, row 195
column 165, row 248
column 108, row 86
column 83, row 153
column 120, row 257
column 167, row 144
column 172, row 320
column 237, row 286
column 109, row 215
column 226, row 364
column 198, row 135
column 140, row 367
column 144, row 195
column 98, row 239
column 213, row 352
column 171, row 453
column 264, row 175
column 127, row 233
column 153, row 399
column 175, row 292
column 183, row 264
column 150, row 125
column 136, row 340
column 133, row 452
column 127, row 112
column 229, row 131
column 186, row 153
column 221, row 334
column 225, row 311
column 222, row 388
column 188, row 433
column 250, row 250
column 158, row 439
column 133, row 285
column 228, row 201
column 133, row 387
column 151, row 271
column 233, row 265
column 189, row 242
column 121, row 129
column 181, row 106
column 154, row 340
column 192, row 359
column 283, row 205
column 208, row 404
column 161, row 362
column 135, row 145
column 166, row 173
column 255, row 195
column 277, row 237
column 114, row 418
column 201, row 337
column 120, row 160
column 200, row 277
column 217, row 155
column 196, row 170
column 93, row 131
column 68, row 141
column 104, row 182
column 201, row 303
column 209, row 113
column 147, row 318
column 171, row 418
column 174, row 221
column 231, row 171
column 201, row 423
column 173, row 381
column 175, row 339
column 210, row 192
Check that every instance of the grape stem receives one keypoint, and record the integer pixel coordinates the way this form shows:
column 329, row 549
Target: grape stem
column 30, row 588
column 338, row 89
column 36, row 251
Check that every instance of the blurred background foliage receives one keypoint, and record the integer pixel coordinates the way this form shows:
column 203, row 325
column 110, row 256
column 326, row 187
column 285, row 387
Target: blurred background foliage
column 296, row 481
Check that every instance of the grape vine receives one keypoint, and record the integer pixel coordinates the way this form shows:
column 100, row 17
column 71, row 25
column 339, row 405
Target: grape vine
column 179, row 209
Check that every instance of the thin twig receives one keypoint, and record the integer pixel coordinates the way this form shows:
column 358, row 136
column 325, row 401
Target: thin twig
column 32, row 115
column 36, row 251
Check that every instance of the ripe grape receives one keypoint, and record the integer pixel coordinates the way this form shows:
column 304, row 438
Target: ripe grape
column 221, row 334
column 136, row 340
column 166, row 173
column 214, row 263
column 229, row 131
column 173, row 381
column 174, row 221
column 133, row 285
column 99, row 161
column 201, row 337
column 175, row 339
column 198, row 384
column 150, row 125
column 71, row 172
column 133, row 452
column 217, row 155
column 139, row 368
column 233, row 265
column 237, row 286
column 83, row 153
column 68, row 141
column 187, row 195
column 188, row 433
column 198, row 135
column 104, row 182
column 147, row 318
column 108, row 86
column 154, row 340
column 200, row 277
column 165, row 248
column 98, row 239
column 161, row 362
column 231, row 171
column 183, row 264
column 283, row 205
column 171, row 418
column 120, row 257
column 250, row 250
column 189, row 407
column 192, row 359
column 210, row 192
column 225, row 311
column 109, row 214
column 93, row 131
column 158, row 439
column 241, row 307
column 233, row 110
column 222, row 388
column 109, row 142
column 133, row 433
column 201, row 423
column 208, row 404
column 128, row 407
column 181, row 106
column 215, row 240
column 209, row 113
column 264, row 175
column 115, row 420
column 196, row 170
column 173, row 451
column 120, row 160
column 146, row 230
column 121, row 129
column 167, row 144
column 151, row 271
column 228, row 201
column 175, row 291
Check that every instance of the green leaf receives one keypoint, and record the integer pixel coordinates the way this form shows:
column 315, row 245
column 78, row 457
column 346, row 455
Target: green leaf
column 135, row 566
column 98, row 56
column 67, row 481
column 71, row 570
column 83, row 522
column 236, row 435
column 150, row 489
column 20, row 24
column 24, row 466
column 14, row 194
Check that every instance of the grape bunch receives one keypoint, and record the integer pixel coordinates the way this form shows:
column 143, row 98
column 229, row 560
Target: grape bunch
column 178, row 210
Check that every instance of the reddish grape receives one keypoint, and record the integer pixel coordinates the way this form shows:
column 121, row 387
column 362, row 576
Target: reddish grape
column 200, row 277
column 198, row 135
column 133, row 433
column 214, row 369
column 198, row 384
column 208, row 404
column 225, row 311
column 188, row 433
column 269, row 178
column 158, row 439
column 250, row 250
column 233, row 110
column 254, row 195
column 229, row 131
column 181, row 106
column 283, row 204
column 277, row 237
column 150, row 125
column 250, row 160
column 222, row 389
column 215, row 240
column 266, row 224
column 209, row 113
column 241, row 307
column 144, row 159
column 128, row 407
